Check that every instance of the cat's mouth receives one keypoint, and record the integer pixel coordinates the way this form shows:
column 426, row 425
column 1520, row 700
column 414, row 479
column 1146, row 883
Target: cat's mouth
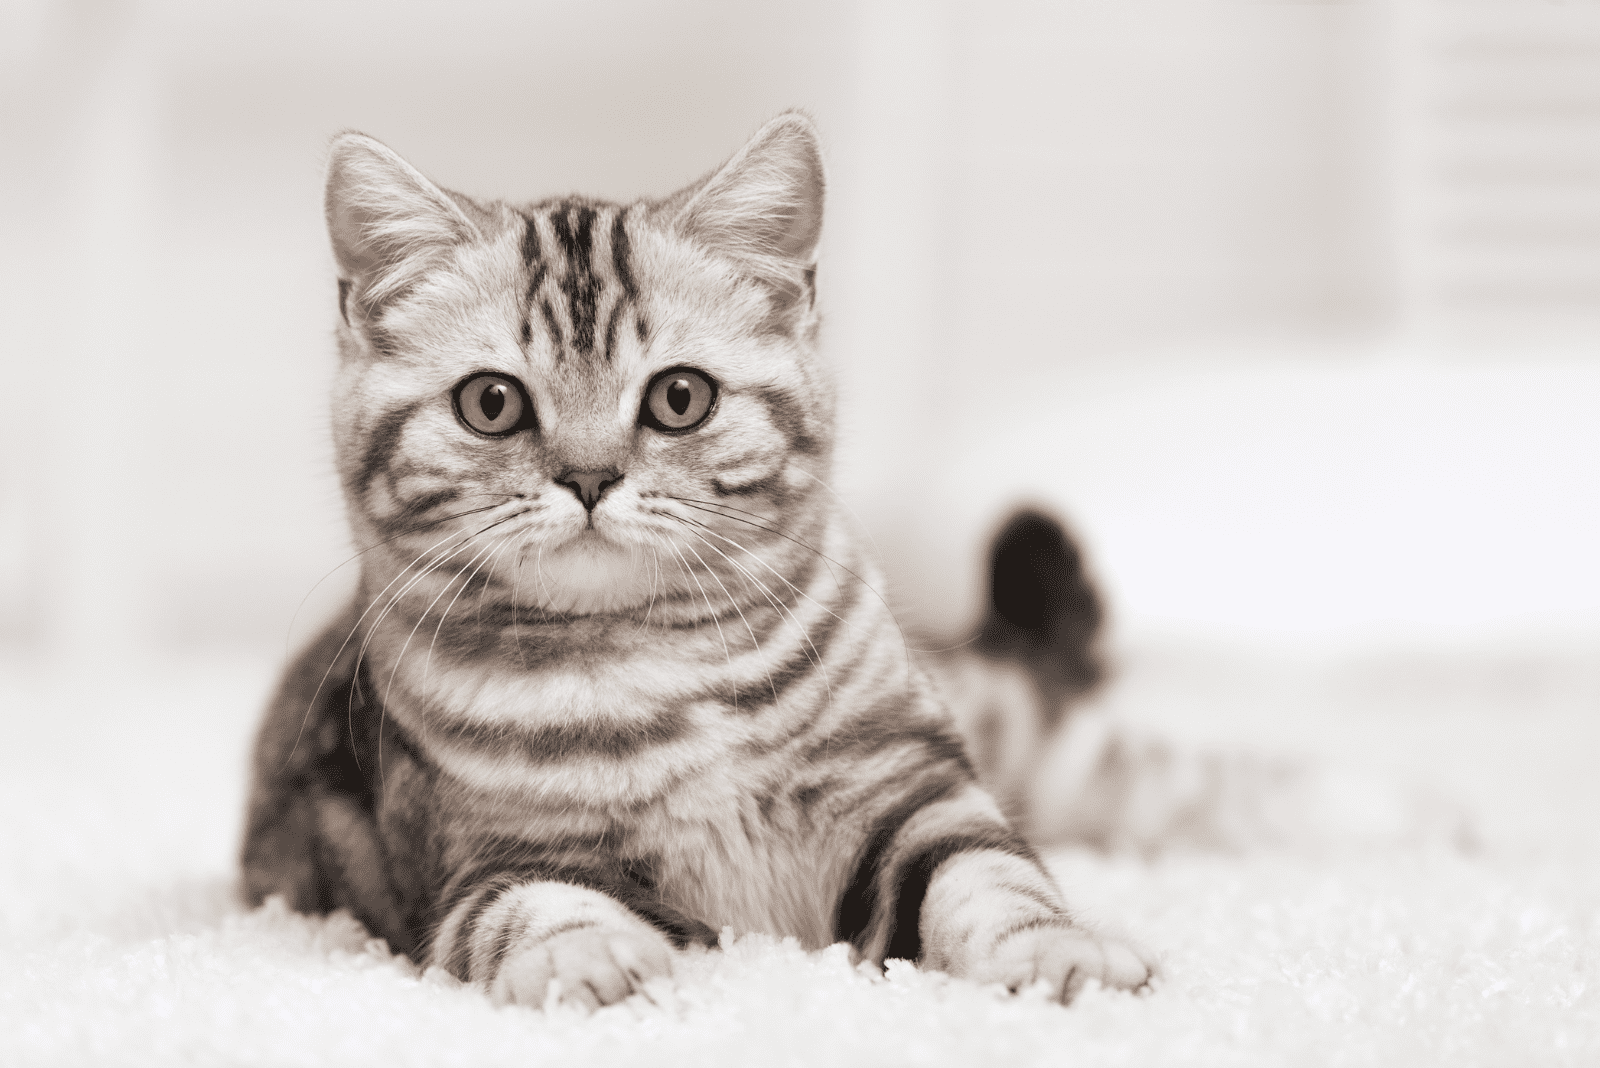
column 591, row 573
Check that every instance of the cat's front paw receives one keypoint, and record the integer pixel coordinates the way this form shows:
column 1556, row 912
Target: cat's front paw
column 1063, row 959
column 594, row 967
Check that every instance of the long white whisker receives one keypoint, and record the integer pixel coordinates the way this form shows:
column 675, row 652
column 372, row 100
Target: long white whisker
column 516, row 607
column 736, row 608
column 488, row 576
column 655, row 583
column 781, row 576
column 467, row 581
column 288, row 634
column 538, row 577
column 389, row 683
column 354, row 630
column 815, row 656
column 433, row 565
column 725, row 650
column 862, row 527
column 488, row 555
column 904, row 644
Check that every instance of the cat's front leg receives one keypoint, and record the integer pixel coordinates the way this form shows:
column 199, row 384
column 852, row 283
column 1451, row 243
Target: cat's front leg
column 994, row 917
column 956, row 889
column 514, row 935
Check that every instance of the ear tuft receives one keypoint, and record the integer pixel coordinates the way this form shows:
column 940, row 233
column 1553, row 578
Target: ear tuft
column 763, row 208
column 385, row 220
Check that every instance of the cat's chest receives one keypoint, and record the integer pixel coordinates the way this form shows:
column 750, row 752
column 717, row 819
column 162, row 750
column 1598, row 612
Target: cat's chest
column 718, row 861
column 679, row 788
column 614, row 736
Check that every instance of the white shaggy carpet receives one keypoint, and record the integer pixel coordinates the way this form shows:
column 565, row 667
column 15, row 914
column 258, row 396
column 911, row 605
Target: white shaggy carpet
column 1369, row 941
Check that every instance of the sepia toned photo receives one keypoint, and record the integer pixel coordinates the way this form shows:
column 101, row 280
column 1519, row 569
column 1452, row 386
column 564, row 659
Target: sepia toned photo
column 810, row 533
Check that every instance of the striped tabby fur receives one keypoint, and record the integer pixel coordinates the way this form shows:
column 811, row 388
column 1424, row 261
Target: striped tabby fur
column 608, row 686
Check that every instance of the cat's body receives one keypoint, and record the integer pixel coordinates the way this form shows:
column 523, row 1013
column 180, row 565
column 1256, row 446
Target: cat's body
column 617, row 674
column 1013, row 686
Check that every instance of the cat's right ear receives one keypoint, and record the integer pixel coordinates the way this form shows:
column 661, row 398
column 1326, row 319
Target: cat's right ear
column 386, row 222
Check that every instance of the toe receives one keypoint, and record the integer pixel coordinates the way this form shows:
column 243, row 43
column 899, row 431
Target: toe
column 1123, row 968
column 580, row 995
column 524, row 978
column 640, row 960
column 1086, row 961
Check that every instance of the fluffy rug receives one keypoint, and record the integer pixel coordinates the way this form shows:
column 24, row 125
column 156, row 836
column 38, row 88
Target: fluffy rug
column 1373, row 939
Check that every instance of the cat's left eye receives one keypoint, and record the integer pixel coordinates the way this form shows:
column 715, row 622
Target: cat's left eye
column 678, row 399
column 493, row 404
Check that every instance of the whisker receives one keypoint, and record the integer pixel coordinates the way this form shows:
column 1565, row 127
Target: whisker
column 366, row 641
column 451, row 581
column 746, row 622
column 714, row 508
column 815, row 656
column 432, row 566
column 516, row 607
column 655, row 583
column 905, row 646
column 711, row 506
column 860, row 526
column 717, row 622
column 488, row 578
column 492, row 552
column 538, row 576
column 356, row 628
column 400, row 657
column 288, row 635
column 781, row 576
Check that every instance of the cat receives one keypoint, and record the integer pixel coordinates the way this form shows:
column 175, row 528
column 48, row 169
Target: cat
column 617, row 676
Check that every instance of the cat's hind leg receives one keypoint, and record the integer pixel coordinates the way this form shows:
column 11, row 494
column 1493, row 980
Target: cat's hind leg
column 311, row 833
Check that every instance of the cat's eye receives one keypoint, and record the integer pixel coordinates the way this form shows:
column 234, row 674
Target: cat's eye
column 678, row 399
column 493, row 404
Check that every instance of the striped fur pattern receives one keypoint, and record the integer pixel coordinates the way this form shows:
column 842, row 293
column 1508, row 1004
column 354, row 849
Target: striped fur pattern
column 610, row 686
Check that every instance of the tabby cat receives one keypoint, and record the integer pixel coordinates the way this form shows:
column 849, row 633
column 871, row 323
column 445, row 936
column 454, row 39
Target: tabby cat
column 616, row 676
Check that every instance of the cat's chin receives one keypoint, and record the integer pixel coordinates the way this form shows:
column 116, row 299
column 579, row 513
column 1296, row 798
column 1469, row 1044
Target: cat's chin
column 591, row 575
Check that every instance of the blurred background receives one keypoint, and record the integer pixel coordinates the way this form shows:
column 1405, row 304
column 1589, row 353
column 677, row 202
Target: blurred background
column 1292, row 309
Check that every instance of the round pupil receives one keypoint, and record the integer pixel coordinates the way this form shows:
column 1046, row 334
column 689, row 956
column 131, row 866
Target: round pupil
column 493, row 401
column 678, row 396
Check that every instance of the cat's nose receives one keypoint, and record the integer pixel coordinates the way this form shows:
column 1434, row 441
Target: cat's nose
column 589, row 486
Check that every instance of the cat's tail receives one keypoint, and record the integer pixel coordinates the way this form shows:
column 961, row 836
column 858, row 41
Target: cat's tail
column 1044, row 610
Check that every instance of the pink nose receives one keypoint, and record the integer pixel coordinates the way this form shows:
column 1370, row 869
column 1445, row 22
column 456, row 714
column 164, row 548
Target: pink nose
column 589, row 486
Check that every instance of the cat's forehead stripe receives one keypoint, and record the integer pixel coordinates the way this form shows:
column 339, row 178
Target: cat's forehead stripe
column 530, row 245
column 579, row 275
column 620, row 251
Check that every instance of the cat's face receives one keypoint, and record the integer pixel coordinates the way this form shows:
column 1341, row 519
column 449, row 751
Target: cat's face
column 584, row 406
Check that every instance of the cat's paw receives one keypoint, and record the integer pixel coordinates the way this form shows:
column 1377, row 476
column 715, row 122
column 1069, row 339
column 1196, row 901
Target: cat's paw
column 594, row 967
column 1063, row 959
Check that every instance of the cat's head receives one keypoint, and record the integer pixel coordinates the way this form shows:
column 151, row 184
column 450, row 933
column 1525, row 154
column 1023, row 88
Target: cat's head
column 605, row 393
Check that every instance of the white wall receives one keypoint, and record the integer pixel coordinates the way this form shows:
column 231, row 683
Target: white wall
column 1139, row 261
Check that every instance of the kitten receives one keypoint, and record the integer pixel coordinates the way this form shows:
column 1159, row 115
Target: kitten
column 616, row 676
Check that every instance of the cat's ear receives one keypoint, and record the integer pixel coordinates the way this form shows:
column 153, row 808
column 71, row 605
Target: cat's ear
column 763, row 208
column 385, row 220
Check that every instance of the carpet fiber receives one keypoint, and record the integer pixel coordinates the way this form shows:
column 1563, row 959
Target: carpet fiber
column 1367, row 944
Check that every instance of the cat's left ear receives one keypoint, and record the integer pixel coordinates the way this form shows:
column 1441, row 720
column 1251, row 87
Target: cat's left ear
column 763, row 208
column 385, row 220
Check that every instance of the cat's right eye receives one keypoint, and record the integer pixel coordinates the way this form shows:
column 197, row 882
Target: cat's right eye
column 493, row 404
